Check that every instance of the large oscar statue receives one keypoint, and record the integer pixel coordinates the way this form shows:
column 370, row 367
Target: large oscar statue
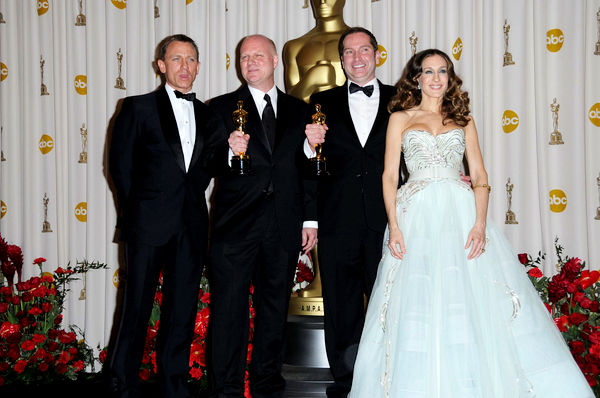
column 312, row 64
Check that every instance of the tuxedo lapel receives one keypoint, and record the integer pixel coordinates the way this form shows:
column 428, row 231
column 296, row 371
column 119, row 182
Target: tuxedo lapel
column 168, row 125
column 199, row 141
column 282, row 109
column 382, row 115
column 346, row 117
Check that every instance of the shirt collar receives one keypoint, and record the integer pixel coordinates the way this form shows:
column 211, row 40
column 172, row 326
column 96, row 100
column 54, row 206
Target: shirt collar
column 259, row 97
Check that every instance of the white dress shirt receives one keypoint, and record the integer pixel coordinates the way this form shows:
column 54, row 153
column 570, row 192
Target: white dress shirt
column 363, row 110
column 186, row 123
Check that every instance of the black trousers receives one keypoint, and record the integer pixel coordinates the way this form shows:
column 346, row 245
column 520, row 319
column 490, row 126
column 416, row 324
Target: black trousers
column 181, row 262
column 259, row 259
column 349, row 261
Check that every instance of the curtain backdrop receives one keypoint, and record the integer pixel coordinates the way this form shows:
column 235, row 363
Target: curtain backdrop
column 66, row 63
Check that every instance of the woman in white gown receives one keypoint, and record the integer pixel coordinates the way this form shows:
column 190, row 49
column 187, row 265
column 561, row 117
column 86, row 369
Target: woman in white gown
column 453, row 313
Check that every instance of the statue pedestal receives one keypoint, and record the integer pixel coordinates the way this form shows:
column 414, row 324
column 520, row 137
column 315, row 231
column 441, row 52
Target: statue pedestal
column 305, row 365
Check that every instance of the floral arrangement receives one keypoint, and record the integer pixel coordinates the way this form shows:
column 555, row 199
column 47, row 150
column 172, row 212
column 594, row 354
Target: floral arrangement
column 33, row 346
column 198, row 349
column 572, row 298
column 305, row 273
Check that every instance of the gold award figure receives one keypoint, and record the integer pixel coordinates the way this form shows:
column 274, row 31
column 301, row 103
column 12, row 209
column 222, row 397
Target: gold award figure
column 80, row 19
column 120, row 83
column 511, row 218
column 156, row 10
column 83, row 154
column 43, row 88
column 555, row 136
column 46, row 225
column 508, row 60
column 318, row 163
column 597, row 52
column 2, row 18
column 312, row 62
column 240, row 163
column 413, row 40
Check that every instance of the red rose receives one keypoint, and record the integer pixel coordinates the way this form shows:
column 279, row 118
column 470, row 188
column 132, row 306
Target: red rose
column 572, row 268
column 78, row 365
column 35, row 311
column 586, row 303
column 28, row 345
column 577, row 347
column 39, row 261
column 577, row 318
column 7, row 329
column 562, row 323
column 144, row 374
column 67, row 337
column 15, row 300
column 20, row 366
column 61, row 270
column 557, row 288
column 205, row 298
column 196, row 373
column 61, row 368
column 594, row 306
column 103, row 355
column 3, row 308
column 46, row 307
column 5, row 290
column 47, row 278
column 523, row 258
column 535, row 272
column 58, row 319
column 63, row 357
column 43, row 366
column 52, row 346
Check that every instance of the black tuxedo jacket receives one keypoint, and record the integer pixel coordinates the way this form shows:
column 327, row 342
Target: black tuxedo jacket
column 278, row 173
column 355, row 185
column 156, row 196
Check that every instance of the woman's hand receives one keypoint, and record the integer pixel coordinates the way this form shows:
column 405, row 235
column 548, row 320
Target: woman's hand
column 396, row 244
column 476, row 240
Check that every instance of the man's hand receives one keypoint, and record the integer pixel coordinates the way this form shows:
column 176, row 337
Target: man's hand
column 309, row 239
column 238, row 142
column 315, row 133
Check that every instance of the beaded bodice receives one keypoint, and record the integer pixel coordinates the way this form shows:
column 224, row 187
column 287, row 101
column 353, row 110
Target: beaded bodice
column 423, row 150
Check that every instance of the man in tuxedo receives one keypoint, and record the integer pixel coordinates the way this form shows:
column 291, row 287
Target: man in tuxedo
column 351, row 212
column 160, row 182
column 258, row 225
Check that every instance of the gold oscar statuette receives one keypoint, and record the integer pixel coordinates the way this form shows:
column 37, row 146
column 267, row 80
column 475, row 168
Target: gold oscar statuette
column 318, row 163
column 44, row 89
column 80, row 19
column 46, row 225
column 511, row 218
column 156, row 10
column 120, row 83
column 3, row 159
column 82, row 292
column 508, row 59
column 83, row 154
column 240, row 163
column 597, row 52
column 598, row 209
column 2, row 18
column 555, row 136
column 413, row 40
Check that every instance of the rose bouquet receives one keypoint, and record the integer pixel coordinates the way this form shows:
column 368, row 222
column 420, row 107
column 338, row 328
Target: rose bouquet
column 34, row 348
column 572, row 298
column 305, row 273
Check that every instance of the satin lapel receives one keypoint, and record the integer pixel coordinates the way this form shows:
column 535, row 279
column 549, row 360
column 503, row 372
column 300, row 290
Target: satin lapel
column 168, row 125
column 199, row 141
column 254, row 125
column 382, row 115
column 345, row 112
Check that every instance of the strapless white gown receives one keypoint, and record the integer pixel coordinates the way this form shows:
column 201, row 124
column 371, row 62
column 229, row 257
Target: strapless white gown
column 441, row 326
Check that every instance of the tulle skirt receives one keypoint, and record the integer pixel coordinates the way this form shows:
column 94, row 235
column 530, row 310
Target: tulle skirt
column 441, row 326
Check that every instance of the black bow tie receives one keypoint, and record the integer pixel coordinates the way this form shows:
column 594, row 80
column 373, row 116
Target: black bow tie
column 368, row 90
column 187, row 97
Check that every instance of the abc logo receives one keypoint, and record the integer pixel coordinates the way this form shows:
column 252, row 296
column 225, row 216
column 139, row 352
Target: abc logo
column 120, row 4
column 3, row 71
column 382, row 55
column 227, row 61
column 42, row 7
column 457, row 49
column 554, row 40
column 558, row 200
column 81, row 211
column 46, row 144
column 510, row 121
column 594, row 114
column 115, row 279
column 81, row 84
column 188, row 1
column 4, row 208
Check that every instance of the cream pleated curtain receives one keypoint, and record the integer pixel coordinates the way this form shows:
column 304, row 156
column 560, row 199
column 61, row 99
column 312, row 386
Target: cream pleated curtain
column 66, row 63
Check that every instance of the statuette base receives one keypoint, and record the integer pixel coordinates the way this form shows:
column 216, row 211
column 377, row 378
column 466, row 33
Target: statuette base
column 511, row 218
column 241, row 165
column 556, row 138
column 319, row 167
column 46, row 227
column 508, row 59
column 83, row 157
